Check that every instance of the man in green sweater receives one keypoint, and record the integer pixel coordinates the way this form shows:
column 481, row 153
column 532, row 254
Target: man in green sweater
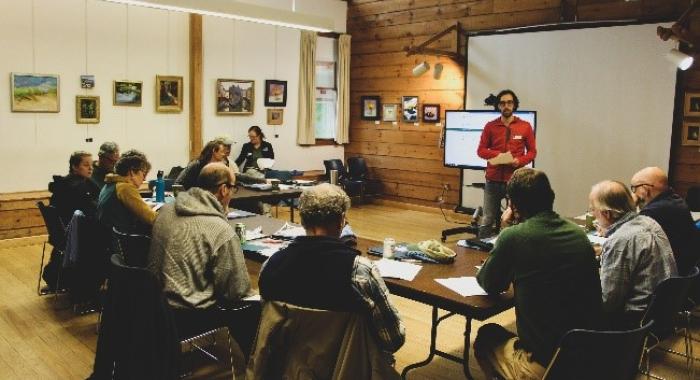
column 553, row 269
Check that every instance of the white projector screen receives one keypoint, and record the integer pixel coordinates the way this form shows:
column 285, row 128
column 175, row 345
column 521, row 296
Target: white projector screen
column 604, row 99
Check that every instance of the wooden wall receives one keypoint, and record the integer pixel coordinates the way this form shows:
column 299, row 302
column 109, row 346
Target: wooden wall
column 407, row 158
column 19, row 215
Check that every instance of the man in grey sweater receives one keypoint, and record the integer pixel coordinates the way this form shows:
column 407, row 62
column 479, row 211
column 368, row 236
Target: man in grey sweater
column 197, row 256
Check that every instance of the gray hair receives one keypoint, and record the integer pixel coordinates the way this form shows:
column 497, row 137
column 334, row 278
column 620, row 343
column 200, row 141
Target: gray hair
column 323, row 204
column 213, row 175
column 224, row 140
column 108, row 147
column 613, row 196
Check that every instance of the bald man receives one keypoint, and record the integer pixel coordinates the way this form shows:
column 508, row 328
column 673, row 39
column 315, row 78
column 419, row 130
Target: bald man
column 658, row 201
column 635, row 258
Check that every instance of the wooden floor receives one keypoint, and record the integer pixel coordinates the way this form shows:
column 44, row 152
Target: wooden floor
column 39, row 339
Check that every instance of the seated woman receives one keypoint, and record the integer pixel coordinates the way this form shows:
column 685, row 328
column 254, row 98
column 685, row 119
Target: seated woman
column 76, row 191
column 251, row 151
column 120, row 204
column 215, row 151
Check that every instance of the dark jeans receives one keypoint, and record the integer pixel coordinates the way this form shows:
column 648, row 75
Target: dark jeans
column 494, row 193
column 242, row 323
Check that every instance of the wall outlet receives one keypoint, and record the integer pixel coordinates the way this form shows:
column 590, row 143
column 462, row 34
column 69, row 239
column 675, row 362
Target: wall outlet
column 446, row 186
column 89, row 139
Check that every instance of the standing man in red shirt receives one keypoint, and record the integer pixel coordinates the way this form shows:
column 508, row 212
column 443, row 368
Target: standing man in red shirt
column 507, row 143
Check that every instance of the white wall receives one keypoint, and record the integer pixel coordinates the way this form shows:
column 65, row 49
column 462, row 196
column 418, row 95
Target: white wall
column 74, row 37
column 604, row 100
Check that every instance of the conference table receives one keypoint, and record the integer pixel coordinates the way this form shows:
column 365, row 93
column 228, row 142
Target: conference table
column 423, row 289
column 244, row 194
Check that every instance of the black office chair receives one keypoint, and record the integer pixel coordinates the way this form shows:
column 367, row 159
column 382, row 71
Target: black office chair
column 693, row 198
column 57, row 239
column 335, row 164
column 174, row 172
column 666, row 303
column 357, row 171
column 602, row 355
column 133, row 247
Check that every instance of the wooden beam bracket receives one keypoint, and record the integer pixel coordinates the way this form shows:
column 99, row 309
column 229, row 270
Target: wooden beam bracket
column 459, row 56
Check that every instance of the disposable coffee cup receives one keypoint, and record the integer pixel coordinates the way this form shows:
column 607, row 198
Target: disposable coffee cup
column 388, row 251
column 334, row 177
column 177, row 189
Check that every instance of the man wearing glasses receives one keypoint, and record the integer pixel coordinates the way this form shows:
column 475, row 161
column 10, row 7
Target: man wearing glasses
column 658, row 201
column 504, row 136
column 197, row 257
column 108, row 157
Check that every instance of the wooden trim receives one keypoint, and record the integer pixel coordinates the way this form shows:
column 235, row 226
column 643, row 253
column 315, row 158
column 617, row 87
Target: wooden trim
column 195, row 125
column 320, row 142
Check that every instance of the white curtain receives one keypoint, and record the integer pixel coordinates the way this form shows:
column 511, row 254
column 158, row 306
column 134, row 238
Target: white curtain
column 306, row 134
column 342, row 131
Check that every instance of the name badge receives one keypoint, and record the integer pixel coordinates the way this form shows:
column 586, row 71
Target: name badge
column 518, row 137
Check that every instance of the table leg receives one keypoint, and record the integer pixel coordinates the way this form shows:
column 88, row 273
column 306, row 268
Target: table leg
column 291, row 211
column 467, row 345
column 431, row 354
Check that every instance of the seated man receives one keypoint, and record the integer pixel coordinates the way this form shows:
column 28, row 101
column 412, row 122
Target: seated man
column 658, row 201
column 635, row 258
column 198, row 258
column 553, row 269
column 319, row 271
column 107, row 158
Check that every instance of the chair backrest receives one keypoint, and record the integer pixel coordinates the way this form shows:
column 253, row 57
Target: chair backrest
column 668, row 299
column 357, row 168
column 133, row 247
column 282, row 175
column 589, row 354
column 174, row 172
column 54, row 225
column 693, row 198
column 334, row 164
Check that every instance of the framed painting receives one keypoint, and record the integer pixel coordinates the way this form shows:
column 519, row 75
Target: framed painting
column 169, row 93
column 409, row 106
column 692, row 104
column 390, row 112
column 370, row 107
column 87, row 109
column 127, row 93
column 87, row 81
column 275, row 93
column 34, row 92
column 431, row 113
column 275, row 116
column 235, row 97
column 691, row 134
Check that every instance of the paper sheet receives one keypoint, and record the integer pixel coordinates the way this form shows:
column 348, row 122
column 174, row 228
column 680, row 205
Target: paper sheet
column 397, row 269
column 595, row 239
column 254, row 297
column 235, row 214
column 502, row 159
column 695, row 215
column 290, row 231
column 464, row 286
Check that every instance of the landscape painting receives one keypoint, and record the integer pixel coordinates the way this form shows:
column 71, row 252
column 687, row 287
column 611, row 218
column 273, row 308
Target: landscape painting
column 127, row 93
column 35, row 92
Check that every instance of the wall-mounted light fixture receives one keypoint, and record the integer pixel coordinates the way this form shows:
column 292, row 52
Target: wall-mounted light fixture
column 239, row 11
column 421, row 69
column 680, row 59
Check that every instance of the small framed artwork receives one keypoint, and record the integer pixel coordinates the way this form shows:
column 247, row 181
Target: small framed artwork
column 390, row 112
column 87, row 109
column 409, row 106
column 431, row 113
column 692, row 104
column 127, row 93
column 370, row 107
column 325, row 75
column 235, row 97
column 34, row 92
column 87, row 81
column 691, row 134
column 168, row 93
column 275, row 93
column 275, row 116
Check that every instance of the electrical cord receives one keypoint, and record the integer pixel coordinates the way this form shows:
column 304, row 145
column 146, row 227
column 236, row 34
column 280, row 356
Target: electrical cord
column 441, row 202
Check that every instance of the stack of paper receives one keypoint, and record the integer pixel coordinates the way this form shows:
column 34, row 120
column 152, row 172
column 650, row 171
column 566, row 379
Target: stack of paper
column 290, row 231
column 464, row 286
column 397, row 269
column 595, row 239
column 253, row 234
column 235, row 214
column 502, row 159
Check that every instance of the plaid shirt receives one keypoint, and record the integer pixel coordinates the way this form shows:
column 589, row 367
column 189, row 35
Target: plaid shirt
column 384, row 318
column 635, row 259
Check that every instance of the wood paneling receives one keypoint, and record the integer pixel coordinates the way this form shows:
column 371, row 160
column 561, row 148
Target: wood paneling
column 407, row 157
column 19, row 216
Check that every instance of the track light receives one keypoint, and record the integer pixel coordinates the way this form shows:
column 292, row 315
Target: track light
column 682, row 60
column 421, row 69
column 437, row 71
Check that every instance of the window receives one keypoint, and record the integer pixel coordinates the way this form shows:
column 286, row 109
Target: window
column 326, row 101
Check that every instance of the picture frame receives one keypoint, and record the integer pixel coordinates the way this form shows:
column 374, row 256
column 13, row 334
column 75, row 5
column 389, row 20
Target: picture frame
column 275, row 116
column 409, row 108
column 431, row 113
column 87, row 109
column 691, row 134
column 390, row 112
column 370, row 106
column 691, row 106
column 35, row 92
column 275, row 93
column 169, row 93
column 235, row 96
column 87, row 81
column 325, row 75
column 127, row 93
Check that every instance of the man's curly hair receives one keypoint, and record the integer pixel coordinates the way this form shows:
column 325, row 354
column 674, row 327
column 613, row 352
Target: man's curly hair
column 324, row 204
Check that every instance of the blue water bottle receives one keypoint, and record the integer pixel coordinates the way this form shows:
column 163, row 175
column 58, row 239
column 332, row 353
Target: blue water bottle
column 160, row 187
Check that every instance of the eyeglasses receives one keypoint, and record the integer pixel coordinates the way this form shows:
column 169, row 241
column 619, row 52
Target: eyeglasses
column 633, row 188
column 506, row 102
column 228, row 185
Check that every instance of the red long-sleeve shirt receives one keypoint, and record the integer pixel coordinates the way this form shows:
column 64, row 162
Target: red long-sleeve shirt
column 496, row 138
